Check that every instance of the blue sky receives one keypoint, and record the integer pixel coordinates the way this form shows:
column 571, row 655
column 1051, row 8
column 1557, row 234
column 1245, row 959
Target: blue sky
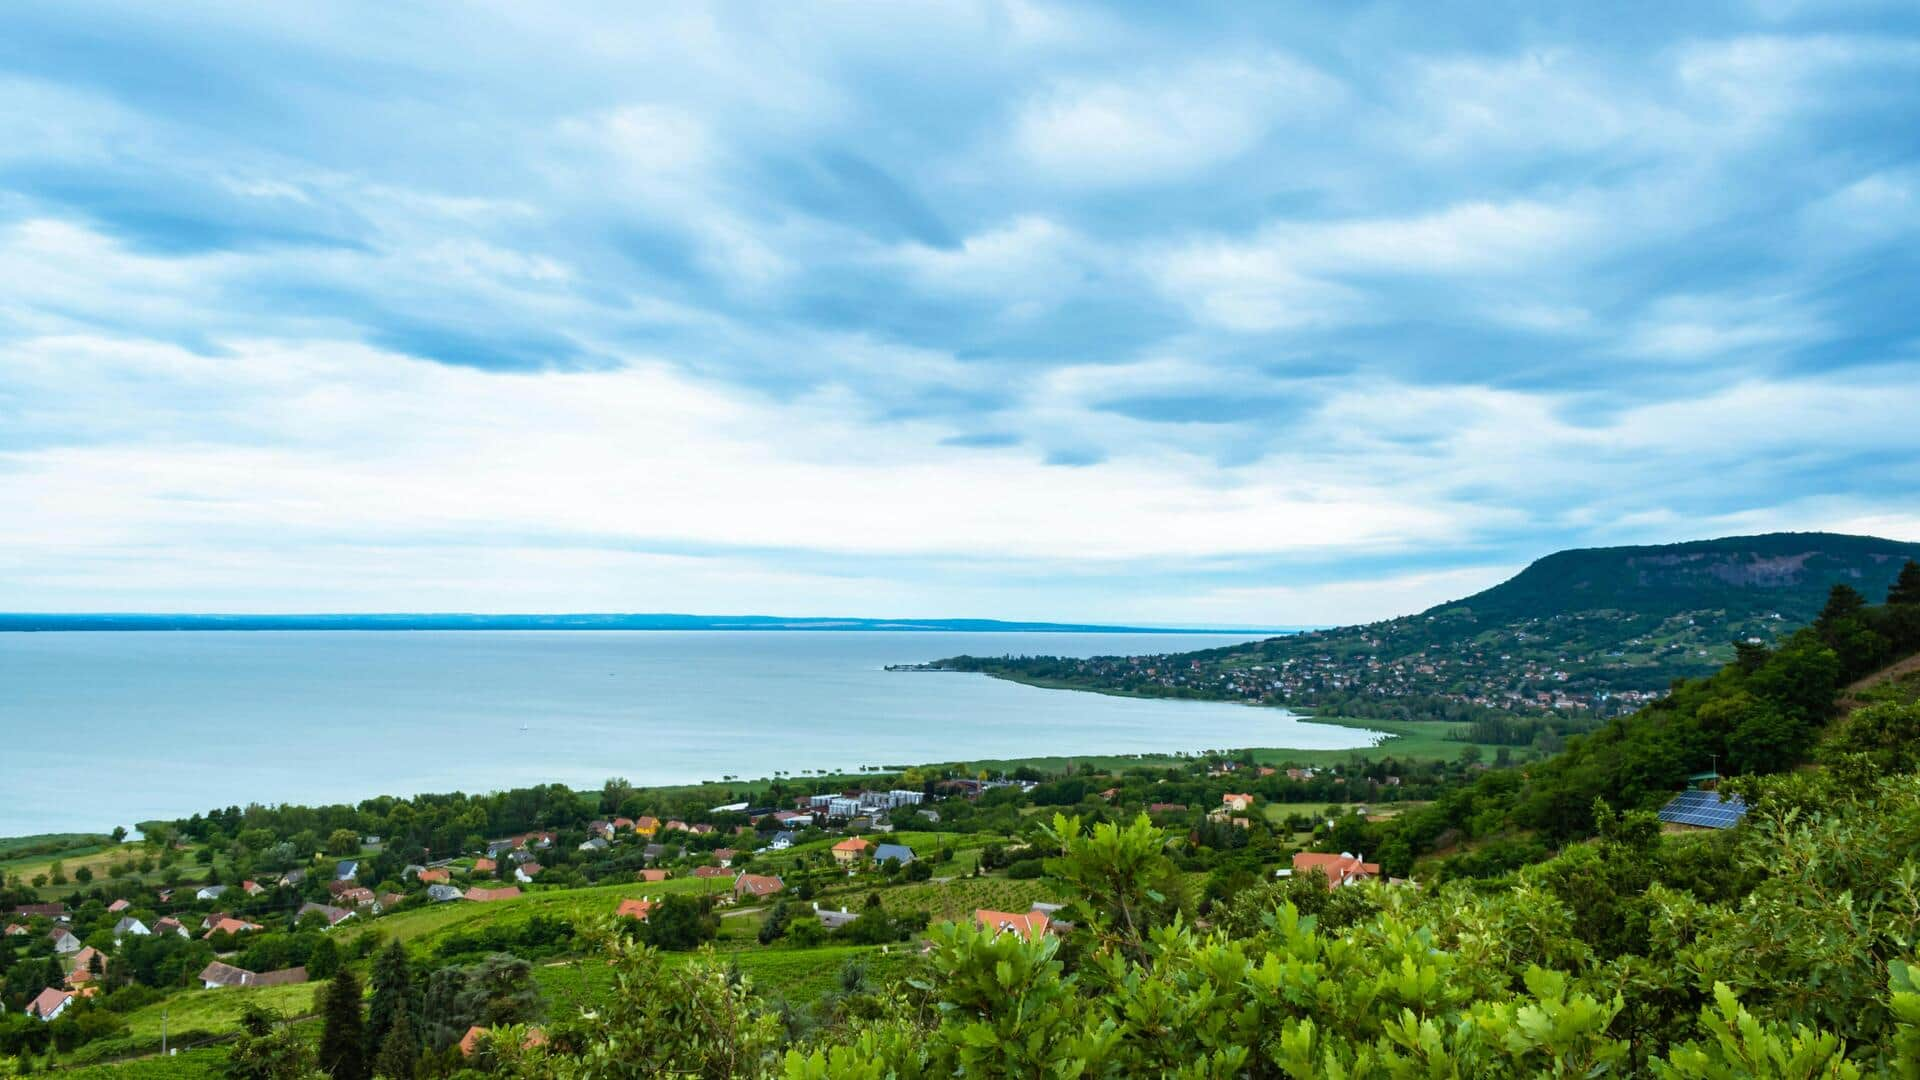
column 1264, row 314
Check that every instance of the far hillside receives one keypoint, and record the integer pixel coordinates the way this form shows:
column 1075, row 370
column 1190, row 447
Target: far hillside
column 1574, row 638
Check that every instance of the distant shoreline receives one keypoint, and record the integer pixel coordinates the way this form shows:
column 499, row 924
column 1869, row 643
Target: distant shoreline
column 42, row 623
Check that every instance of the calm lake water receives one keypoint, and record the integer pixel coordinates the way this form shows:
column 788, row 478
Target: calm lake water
column 99, row 729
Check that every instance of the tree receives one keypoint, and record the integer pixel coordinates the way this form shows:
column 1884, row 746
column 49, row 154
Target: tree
column 84, row 875
column 1843, row 602
column 499, row 990
column 343, row 1036
column 269, row 1050
column 399, row 1052
column 323, row 959
column 120, row 831
column 1906, row 587
column 441, row 1021
column 680, row 922
column 393, row 998
column 343, row 842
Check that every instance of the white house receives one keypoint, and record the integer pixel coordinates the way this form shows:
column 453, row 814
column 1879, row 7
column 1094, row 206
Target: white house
column 63, row 940
column 129, row 925
column 50, row 1004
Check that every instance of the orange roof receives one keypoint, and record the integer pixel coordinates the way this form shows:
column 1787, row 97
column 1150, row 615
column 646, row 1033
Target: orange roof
column 653, row 875
column 484, row 895
column 437, row 874
column 1341, row 869
column 83, row 965
column 711, row 872
column 635, row 909
column 1029, row 925
column 230, row 925
column 855, row 843
column 1236, row 798
column 482, row 866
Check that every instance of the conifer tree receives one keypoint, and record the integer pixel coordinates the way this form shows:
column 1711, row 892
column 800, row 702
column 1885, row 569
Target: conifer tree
column 1906, row 587
column 400, row 1052
column 393, row 996
column 343, row 1038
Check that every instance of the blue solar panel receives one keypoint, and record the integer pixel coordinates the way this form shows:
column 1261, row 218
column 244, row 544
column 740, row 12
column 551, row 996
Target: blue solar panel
column 1704, row 808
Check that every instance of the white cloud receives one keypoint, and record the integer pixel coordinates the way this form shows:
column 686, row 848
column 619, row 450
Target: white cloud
column 1289, row 274
column 1161, row 125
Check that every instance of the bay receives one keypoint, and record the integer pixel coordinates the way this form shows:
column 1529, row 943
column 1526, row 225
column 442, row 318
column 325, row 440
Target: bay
column 99, row 729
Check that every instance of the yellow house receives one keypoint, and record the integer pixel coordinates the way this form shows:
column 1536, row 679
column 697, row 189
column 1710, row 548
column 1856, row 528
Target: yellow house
column 647, row 826
column 851, row 850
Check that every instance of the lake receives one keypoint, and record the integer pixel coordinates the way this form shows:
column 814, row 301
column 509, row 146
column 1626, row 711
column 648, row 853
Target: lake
column 99, row 729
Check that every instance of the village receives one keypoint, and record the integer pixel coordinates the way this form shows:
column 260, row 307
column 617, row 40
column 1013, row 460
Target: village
column 866, row 868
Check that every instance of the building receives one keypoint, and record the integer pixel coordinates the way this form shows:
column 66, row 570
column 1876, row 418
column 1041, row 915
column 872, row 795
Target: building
column 438, row 875
column 84, row 963
column 217, row 975
column 440, row 894
column 227, row 924
column 635, row 909
column 899, row 853
column 1339, row 870
column 50, row 1004
column 724, row 856
column 851, row 850
column 1238, row 804
column 128, row 926
column 1029, row 925
column 754, row 886
column 333, row 915
column 482, row 896
column 64, row 940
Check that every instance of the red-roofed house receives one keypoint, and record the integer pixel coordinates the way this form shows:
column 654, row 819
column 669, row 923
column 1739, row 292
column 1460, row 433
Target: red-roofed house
column 434, row 876
column 118, row 906
column 1029, row 925
column 484, row 866
column 484, row 895
column 1341, row 869
column 711, row 872
column 653, row 875
column 51, row 1003
column 527, row 871
column 635, row 909
column 230, row 925
column 83, row 962
column 1239, row 804
column 724, row 856
column 756, row 885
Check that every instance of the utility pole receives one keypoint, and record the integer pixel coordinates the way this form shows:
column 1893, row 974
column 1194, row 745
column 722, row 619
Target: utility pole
column 163, row 1032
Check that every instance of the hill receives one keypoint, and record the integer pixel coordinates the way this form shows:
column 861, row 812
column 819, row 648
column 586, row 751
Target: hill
column 1575, row 637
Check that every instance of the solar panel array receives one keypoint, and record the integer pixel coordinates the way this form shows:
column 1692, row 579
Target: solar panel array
column 1705, row 809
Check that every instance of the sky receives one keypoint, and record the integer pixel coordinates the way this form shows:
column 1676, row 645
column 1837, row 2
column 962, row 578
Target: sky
column 1214, row 314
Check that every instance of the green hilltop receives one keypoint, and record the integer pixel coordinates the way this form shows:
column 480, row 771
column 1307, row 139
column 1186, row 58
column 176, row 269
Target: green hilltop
column 1574, row 638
